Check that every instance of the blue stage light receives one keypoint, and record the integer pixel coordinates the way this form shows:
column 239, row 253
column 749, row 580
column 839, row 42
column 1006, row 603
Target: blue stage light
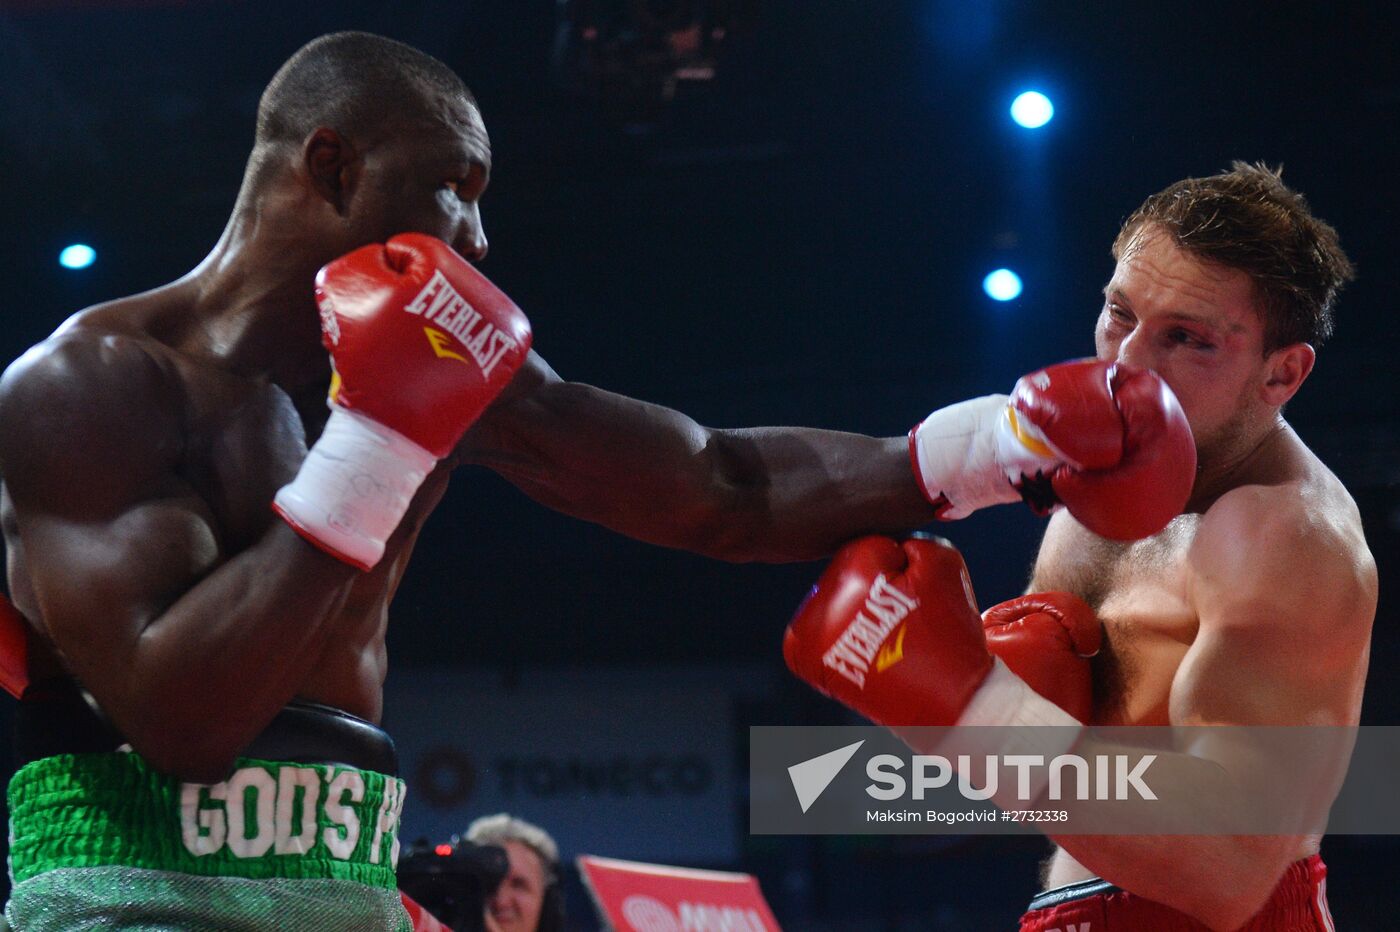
column 1032, row 109
column 1002, row 285
column 77, row 256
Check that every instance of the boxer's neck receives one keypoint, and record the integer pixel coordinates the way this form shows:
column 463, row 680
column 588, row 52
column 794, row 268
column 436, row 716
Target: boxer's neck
column 1264, row 457
column 254, row 306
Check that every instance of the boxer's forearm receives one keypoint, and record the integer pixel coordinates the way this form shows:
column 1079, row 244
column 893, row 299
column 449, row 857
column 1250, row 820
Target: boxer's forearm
column 208, row 674
column 799, row 493
column 190, row 683
column 772, row 494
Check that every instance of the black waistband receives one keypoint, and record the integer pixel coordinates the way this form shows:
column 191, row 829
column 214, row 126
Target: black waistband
column 1070, row 892
column 57, row 716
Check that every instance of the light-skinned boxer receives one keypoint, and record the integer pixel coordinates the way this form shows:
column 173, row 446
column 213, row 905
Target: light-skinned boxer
column 202, row 673
column 1254, row 607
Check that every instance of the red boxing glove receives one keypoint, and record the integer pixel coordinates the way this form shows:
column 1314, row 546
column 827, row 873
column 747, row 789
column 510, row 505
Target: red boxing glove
column 1107, row 440
column 1124, row 482
column 421, row 343
column 1047, row 639
column 14, row 649
column 892, row 631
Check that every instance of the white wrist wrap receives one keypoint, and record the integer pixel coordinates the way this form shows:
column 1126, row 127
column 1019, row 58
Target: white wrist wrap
column 972, row 454
column 354, row 487
column 1004, row 699
column 1016, row 715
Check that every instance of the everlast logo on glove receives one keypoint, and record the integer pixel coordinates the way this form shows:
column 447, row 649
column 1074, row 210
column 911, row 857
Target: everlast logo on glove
column 862, row 643
column 440, row 303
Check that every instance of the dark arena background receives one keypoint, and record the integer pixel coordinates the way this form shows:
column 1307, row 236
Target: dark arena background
column 757, row 212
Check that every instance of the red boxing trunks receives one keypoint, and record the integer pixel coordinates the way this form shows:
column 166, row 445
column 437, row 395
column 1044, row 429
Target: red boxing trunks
column 1298, row 904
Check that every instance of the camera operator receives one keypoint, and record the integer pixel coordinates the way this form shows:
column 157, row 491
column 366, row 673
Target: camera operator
column 530, row 898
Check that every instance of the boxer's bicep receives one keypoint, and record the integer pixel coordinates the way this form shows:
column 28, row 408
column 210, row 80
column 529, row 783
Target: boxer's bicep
column 99, row 585
column 543, row 428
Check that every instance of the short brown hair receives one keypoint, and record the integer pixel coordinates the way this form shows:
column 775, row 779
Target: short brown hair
column 1248, row 219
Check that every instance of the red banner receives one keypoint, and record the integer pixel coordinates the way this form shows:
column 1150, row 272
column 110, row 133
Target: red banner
column 634, row 897
column 423, row 921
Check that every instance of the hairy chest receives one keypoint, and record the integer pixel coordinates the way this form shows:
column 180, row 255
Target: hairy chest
column 1140, row 592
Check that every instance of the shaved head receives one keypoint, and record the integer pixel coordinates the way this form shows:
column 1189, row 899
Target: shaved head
column 355, row 83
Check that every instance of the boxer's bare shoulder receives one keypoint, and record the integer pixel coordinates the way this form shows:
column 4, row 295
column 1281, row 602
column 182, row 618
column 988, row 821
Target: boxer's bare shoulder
column 1257, row 610
column 98, row 417
column 140, row 458
column 1257, row 553
column 1302, row 514
column 1284, row 586
column 131, row 465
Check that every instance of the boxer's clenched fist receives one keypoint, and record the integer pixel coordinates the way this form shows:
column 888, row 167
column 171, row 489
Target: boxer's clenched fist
column 421, row 343
column 1109, row 441
column 892, row 631
column 1046, row 639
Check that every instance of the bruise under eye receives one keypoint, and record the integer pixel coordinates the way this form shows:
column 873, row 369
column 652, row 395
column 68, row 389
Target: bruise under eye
column 1190, row 338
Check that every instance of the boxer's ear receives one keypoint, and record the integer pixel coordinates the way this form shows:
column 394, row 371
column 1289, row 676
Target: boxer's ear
column 332, row 166
column 1285, row 369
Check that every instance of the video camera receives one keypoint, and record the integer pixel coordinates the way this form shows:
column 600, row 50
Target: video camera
column 453, row 880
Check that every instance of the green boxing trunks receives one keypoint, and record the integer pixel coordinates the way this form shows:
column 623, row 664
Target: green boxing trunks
column 103, row 841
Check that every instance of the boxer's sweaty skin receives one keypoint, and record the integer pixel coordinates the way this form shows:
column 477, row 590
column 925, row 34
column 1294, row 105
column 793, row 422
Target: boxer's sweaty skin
column 1252, row 608
column 140, row 448
column 167, row 477
column 1143, row 594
